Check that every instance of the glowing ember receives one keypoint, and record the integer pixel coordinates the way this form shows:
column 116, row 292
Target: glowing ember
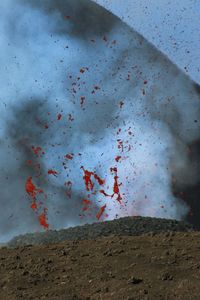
column 100, row 213
column 88, row 181
column 31, row 189
column 59, row 117
column 116, row 185
column 43, row 219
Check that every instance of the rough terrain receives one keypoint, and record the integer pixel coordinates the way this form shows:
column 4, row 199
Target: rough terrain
column 154, row 265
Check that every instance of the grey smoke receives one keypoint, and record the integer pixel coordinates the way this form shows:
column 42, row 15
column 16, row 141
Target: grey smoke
column 44, row 47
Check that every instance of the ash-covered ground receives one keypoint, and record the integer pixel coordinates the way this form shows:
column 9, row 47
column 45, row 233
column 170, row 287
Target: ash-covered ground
column 130, row 258
column 129, row 226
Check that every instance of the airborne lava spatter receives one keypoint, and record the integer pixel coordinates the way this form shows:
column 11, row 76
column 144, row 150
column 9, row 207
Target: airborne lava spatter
column 43, row 219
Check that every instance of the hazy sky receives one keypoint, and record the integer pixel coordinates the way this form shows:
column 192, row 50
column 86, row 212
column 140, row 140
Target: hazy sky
column 172, row 25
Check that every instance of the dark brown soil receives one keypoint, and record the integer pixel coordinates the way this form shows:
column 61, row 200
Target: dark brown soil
column 149, row 266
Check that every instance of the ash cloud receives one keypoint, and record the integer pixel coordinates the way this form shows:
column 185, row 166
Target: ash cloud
column 86, row 17
column 77, row 81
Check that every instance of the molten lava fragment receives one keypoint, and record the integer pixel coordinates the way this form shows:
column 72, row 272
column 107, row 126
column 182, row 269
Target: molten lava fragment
column 86, row 201
column 43, row 219
column 104, row 193
column 52, row 172
column 31, row 189
column 37, row 150
column 69, row 156
column 117, row 158
column 120, row 144
column 116, row 185
column 99, row 180
column 88, row 181
column 34, row 205
column 102, row 209
column 59, row 117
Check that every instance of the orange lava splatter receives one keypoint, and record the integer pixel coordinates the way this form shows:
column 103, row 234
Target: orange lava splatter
column 116, row 185
column 87, row 178
column 34, row 205
column 102, row 209
column 86, row 203
column 88, row 181
column 37, row 150
column 31, row 189
column 43, row 219
column 100, row 181
column 104, row 193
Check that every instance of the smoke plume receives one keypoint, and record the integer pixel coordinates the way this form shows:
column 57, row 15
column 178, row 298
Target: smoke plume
column 95, row 123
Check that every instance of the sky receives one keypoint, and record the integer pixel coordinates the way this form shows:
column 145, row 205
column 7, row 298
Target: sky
column 171, row 25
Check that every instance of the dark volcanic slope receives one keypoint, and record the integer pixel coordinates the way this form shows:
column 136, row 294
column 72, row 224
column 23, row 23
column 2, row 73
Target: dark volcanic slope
column 129, row 226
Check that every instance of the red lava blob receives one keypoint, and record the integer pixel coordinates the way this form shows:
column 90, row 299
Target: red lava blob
column 69, row 156
column 87, row 178
column 99, row 180
column 43, row 219
column 120, row 145
column 116, row 185
column 59, row 117
column 36, row 150
column 88, row 181
column 86, row 203
column 52, row 172
column 102, row 209
column 31, row 189
column 34, row 205
column 104, row 193
column 117, row 158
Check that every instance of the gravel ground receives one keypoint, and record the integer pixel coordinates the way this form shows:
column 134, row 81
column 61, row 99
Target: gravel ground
column 129, row 226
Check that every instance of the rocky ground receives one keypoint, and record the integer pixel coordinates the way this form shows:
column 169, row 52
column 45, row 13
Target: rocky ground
column 152, row 265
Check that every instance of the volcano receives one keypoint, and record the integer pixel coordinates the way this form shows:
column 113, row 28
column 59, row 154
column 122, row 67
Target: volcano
column 96, row 123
